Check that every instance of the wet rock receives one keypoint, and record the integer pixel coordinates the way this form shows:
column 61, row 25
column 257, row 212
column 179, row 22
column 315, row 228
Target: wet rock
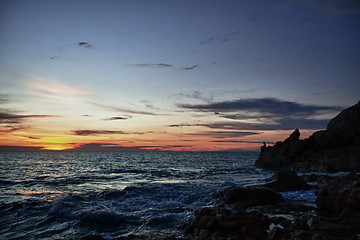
column 240, row 198
column 335, row 198
column 335, row 149
column 286, row 180
column 219, row 223
column 131, row 237
column 92, row 237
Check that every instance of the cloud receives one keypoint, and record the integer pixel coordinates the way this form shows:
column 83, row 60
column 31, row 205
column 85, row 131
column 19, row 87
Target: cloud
column 156, row 65
column 10, row 129
column 191, row 68
column 85, row 45
column 119, row 118
column 111, row 147
column 7, row 117
column 195, row 95
column 220, row 38
column 95, row 132
column 120, row 109
column 241, row 141
column 262, row 105
column 54, row 58
column 265, row 114
column 224, row 134
column 4, row 98
column 88, row 132
column 280, row 124
column 54, row 90
column 4, row 148
column 253, row 17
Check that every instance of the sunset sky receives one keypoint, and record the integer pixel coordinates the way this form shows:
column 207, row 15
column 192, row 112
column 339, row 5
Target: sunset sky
column 133, row 75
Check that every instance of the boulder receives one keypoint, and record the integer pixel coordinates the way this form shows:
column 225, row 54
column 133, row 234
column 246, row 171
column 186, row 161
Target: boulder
column 92, row 237
column 220, row 223
column 240, row 198
column 332, row 150
column 287, row 180
column 337, row 198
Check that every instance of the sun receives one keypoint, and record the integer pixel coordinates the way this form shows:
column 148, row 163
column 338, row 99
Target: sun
column 54, row 143
column 56, row 147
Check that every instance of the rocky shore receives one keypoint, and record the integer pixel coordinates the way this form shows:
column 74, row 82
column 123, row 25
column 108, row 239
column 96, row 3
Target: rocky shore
column 261, row 212
column 336, row 215
column 336, row 149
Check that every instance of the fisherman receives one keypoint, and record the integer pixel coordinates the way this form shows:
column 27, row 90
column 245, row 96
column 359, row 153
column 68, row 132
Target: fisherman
column 263, row 146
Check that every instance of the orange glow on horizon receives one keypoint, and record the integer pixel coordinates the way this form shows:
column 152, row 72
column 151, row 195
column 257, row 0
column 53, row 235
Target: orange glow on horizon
column 155, row 141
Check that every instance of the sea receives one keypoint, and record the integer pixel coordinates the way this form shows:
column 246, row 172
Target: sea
column 66, row 195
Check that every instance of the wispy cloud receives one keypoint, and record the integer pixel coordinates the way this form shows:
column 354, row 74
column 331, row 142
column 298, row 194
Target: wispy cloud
column 54, row 90
column 223, row 134
column 4, row 98
column 195, row 95
column 119, row 118
column 253, row 17
column 191, row 68
column 4, row 148
column 112, row 147
column 264, row 114
column 240, row 141
column 95, row 132
column 156, row 65
column 87, row 132
column 121, row 109
column 7, row 117
column 10, row 128
column 220, row 38
column 279, row 124
column 85, row 45
column 263, row 105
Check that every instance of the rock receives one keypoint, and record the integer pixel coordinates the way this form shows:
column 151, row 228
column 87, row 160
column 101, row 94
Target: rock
column 335, row 198
column 131, row 237
column 286, row 180
column 332, row 150
column 240, row 198
column 219, row 223
column 92, row 237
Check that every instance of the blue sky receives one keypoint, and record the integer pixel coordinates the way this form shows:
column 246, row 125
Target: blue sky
column 144, row 67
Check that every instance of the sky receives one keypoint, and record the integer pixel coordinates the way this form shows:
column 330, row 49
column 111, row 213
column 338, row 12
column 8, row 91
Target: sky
column 159, row 75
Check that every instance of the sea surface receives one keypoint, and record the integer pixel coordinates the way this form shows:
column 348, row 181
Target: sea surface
column 65, row 195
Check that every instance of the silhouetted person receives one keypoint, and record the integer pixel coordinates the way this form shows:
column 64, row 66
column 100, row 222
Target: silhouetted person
column 263, row 146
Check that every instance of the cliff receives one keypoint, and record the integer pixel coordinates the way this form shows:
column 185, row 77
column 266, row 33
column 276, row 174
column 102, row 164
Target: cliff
column 335, row 149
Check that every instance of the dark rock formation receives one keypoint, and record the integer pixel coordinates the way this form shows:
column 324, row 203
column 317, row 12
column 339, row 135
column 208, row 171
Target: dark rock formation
column 219, row 223
column 335, row 198
column 240, row 198
column 131, row 237
column 286, row 180
column 332, row 150
column 315, row 227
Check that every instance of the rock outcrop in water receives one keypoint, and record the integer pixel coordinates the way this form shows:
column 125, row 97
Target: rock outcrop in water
column 336, row 218
column 335, row 149
column 286, row 180
column 221, row 223
column 240, row 198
